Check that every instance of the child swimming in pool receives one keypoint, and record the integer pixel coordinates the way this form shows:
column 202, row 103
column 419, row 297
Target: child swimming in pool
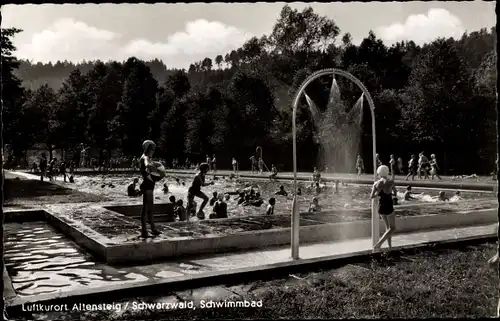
column 132, row 190
column 457, row 197
column 317, row 188
column 314, row 207
column 408, row 194
column 270, row 206
column 213, row 199
column 442, row 197
column 220, row 207
column 257, row 201
column 281, row 191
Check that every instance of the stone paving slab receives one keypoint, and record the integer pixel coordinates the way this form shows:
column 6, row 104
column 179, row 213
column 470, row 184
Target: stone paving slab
column 270, row 256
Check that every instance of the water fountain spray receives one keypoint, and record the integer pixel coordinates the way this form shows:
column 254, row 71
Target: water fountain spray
column 295, row 214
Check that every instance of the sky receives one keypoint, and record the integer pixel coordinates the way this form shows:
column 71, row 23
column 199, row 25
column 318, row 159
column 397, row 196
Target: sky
column 180, row 34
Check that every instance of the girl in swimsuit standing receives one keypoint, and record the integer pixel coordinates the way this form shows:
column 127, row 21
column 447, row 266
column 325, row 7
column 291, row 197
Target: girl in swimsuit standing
column 385, row 188
column 434, row 167
column 392, row 163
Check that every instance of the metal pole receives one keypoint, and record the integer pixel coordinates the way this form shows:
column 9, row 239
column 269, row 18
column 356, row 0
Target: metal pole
column 295, row 220
column 375, row 218
column 295, row 214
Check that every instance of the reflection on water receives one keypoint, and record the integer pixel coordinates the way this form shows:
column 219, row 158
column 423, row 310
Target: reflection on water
column 350, row 196
column 41, row 260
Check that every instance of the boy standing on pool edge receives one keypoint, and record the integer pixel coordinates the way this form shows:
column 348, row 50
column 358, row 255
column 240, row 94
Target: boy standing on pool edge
column 195, row 190
column 147, row 188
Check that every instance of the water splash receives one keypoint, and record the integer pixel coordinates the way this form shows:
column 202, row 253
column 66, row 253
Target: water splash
column 312, row 107
column 338, row 131
column 358, row 106
column 334, row 96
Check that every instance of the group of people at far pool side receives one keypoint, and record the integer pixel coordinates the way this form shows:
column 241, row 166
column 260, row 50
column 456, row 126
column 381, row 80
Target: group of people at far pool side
column 416, row 167
column 53, row 168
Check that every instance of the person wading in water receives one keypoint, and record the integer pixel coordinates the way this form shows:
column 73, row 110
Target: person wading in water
column 385, row 189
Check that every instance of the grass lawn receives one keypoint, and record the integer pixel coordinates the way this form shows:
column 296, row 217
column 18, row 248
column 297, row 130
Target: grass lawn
column 447, row 283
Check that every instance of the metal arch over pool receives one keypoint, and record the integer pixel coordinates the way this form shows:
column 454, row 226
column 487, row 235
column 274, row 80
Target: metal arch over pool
column 295, row 224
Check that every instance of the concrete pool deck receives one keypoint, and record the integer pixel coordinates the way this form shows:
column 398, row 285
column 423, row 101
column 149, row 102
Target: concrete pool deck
column 233, row 268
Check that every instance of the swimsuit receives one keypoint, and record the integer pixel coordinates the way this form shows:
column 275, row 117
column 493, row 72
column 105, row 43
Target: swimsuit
column 385, row 205
column 147, row 185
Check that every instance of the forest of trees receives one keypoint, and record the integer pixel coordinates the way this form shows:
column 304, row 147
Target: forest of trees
column 439, row 98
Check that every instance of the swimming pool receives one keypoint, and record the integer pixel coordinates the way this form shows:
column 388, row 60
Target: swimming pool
column 348, row 196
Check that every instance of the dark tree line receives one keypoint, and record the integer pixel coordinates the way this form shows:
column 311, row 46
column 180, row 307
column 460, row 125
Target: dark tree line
column 439, row 98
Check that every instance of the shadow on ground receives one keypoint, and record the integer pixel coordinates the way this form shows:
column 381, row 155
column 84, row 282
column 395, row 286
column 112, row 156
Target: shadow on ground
column 20, row 192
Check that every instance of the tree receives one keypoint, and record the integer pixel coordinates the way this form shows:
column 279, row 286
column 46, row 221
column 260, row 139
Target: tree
column 40, row 106
column 102, row 106
column 438, row 112
column 173, row 130
column 219, row 60
column 178, row 83
column 206, row 64
column 302, row 31
column 138, row 100
column 72, row 110
column 165, row 100
column 252, row 49
column 251, row 112
column 484, row 101
column 12, row 93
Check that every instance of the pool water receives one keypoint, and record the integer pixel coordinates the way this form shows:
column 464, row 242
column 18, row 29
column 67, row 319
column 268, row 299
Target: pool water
column 349, row 196
column 41, row 260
